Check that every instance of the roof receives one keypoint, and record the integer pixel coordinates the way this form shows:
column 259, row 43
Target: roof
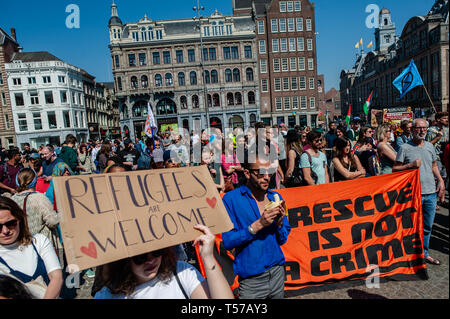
column 35, row 57
column 440, row 7
column 115, row 21
column 4, row 35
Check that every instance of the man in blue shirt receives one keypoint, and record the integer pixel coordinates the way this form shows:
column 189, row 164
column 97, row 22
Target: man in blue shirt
column 257, row 234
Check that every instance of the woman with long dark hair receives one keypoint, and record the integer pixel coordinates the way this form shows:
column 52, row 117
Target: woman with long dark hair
column 294, row 150
column 346, row 165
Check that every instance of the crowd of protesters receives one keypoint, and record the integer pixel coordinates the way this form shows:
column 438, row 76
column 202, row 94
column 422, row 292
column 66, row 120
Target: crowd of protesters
column 298, row 157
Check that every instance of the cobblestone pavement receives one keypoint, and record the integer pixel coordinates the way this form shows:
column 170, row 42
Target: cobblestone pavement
column 436, row 287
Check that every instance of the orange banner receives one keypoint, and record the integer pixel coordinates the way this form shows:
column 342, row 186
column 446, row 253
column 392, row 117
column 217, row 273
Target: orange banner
column 345, row 230
column 350, row 230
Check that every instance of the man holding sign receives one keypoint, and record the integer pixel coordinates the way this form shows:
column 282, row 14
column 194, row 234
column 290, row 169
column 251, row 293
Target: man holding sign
column 260, row 228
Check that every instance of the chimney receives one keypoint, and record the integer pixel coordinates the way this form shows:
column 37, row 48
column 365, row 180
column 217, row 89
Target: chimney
column 13, row 34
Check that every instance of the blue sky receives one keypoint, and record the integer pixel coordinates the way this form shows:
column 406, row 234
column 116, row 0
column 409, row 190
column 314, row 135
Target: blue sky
column 41, row 26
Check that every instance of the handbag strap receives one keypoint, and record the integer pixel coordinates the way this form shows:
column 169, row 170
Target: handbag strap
column 25, row 203
column 180, row 285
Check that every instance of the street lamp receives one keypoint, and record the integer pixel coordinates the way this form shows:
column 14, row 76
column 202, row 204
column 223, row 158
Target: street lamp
column 199, row 8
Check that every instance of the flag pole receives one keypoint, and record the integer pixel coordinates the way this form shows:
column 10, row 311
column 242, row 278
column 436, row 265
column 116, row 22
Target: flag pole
column 426, row 91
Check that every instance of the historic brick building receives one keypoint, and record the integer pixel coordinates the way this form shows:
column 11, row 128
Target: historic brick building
column 8, row 47
column 287, row 59
column 187, row 70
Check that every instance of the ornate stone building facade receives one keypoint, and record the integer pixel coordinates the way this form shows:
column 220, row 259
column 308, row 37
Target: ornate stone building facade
column 185, row 76
column 423, row 39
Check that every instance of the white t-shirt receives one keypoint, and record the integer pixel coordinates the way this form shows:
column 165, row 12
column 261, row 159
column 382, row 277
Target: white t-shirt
column 190, row 278
column 24, row 258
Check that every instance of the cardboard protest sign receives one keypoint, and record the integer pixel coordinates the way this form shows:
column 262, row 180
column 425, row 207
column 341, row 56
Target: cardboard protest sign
column 107, row 217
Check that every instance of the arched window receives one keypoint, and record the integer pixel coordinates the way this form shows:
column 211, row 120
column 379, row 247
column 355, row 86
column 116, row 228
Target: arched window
column 238, row 98
column 214, row 76
column 143, row 34
column 207, row 77
column 195, row 103
column 251, row 97
column 144, row 81
column 158, row 80
column 193, row 78
column 169, row 79
column 249, row 74
column 134, row 82
column 236, row 75
column 209, row 97
column 230, row 99
column 183, row 102
column 181, row 79
column 228, row 76
column 216, row 99
column 150, row 33
column 166, row 107
column 124, row 111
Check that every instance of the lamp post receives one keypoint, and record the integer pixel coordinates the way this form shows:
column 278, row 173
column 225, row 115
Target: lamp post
column 199, row 8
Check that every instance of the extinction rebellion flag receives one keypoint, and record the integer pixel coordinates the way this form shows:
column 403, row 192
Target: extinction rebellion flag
column 408, row 79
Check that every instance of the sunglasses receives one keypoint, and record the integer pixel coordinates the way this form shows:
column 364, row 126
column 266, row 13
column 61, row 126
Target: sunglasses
column 10, row 224
column 140, row 259
column 261, row 172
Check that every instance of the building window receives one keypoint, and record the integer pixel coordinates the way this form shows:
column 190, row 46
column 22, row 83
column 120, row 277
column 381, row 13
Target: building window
column 191, row 55
column 287, row 103
column 234, row 53
column 282, row 6
column 156, row 58
column 262, row 46
column 311, row 83
column 299, row 24
column 212, row 54
column 308, row 25
column 228, row 76
column 312, row 102
column 181, row 79
column 295, row 102
column 195, row 103
column 291, row 25
column 236, row 75
column 144, row 81
column 17, row 81
column 66, row 118
column 302, row 83
column 63, row 95
column 32, row 80
column 183, row 102
column 34, row 97
column 214, row 76
column 206, row 77
column 301, row 64
column 282, row 25
column 216, row 100
column 193, row 78
column 131, row 60
column 249, row 74
column 283, row 45
column 46, row 79
column 293, row 64
column 278, row 104
column 284, row 65
column 52, row 120
column 263, row 65
column 261, row 27
column 134, row 82
column 205, row 54
column 19, row 99
column 23, row 125
column 309, row 44
column 286, row 84
column 276, row 65
column 274, row 25
column 142, row 59
column 37, row 121
column 8, row 126
column 179, row 55
column 300, row 44
column 166, row 57
column 159, row 35
column 227, row 53
column 297, row 6
column 119, row 83
column 248, row 51
column 238, row 98
column 290, row 6
column 48, row 97
column 277, row 84
column 294, row 83
column 251, row 98
column 158, row 80
column 264, row 85
column 292, row 46
column 230, row 99
column 206, row 31
column 303, row 102
column 169, row 79
column 62, row 79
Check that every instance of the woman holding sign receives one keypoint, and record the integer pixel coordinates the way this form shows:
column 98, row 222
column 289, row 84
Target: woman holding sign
column 30, row 259
column 158, row 275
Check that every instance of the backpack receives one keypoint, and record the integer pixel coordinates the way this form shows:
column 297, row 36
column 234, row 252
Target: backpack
column 144, row 160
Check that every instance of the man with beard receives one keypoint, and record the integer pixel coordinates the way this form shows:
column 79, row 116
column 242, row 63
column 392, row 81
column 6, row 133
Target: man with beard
column 8, row 172
column 421, row 154
column 258, row 234
column 129, row 155
column 49, row 161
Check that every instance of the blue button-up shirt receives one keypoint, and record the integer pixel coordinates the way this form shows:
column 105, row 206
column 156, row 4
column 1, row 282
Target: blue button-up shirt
column 254, row 253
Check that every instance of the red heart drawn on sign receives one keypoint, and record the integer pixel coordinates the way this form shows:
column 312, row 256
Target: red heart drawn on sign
column 90, row 251
column 211, row 202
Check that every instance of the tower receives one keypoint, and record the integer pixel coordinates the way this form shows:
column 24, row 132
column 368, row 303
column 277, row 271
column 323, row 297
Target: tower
column 385, row 33
column 115, row 25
